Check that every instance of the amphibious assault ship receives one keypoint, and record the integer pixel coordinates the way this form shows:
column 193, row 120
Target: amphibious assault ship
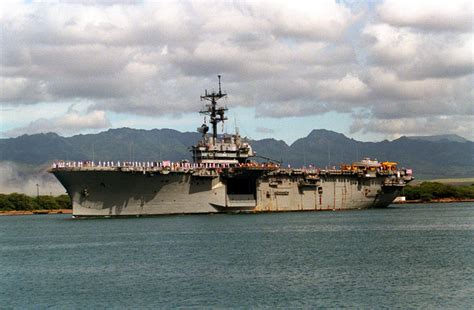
column 224, row 177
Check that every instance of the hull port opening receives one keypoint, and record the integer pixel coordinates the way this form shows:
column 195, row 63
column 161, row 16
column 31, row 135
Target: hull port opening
column 241, row 193
column 241, row 186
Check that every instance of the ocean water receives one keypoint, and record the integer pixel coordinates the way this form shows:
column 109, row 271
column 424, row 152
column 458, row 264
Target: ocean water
column 407, row 256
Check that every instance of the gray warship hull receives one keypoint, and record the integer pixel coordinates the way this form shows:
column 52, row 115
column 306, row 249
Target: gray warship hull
column 115, row 191
column 223, row 178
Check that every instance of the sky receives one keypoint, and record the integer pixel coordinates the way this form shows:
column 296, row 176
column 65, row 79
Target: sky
column 371, row 70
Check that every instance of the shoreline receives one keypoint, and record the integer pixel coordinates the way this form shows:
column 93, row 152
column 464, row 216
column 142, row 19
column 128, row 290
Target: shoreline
column 39, row 212
column 69, row 211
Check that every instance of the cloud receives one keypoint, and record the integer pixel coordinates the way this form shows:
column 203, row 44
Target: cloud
column 114, row 54
column 426, row 125
column 432, row 15
column 15, row 178
column 70, row 123
column 395, row 60
column 425, row 95
column 264, row 130
column 22, row 90
column 348, row 88
column 419, row 69
column 417, row 55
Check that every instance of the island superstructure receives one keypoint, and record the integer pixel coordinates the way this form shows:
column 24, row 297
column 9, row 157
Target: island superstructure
column 224, row 177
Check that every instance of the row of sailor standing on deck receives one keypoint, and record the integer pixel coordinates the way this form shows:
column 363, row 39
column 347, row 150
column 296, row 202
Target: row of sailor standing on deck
column 137, row 164
column 71, row 164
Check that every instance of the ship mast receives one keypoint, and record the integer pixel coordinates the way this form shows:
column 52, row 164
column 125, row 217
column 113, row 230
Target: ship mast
column 216, row 114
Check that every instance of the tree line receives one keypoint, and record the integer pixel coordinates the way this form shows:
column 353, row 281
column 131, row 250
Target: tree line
column 22, row 202
column 427, row 191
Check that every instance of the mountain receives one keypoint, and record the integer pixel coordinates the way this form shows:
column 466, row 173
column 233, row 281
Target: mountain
column 430, row 157
column 113, row 144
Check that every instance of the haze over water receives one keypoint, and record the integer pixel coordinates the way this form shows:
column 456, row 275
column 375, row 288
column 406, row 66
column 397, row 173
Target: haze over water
column 405, row 256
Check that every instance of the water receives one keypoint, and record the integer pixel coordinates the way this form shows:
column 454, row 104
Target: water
column 408, row 256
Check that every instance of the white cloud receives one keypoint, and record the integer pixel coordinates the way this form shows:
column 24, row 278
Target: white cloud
column 264, row 130
column 70, row 123
column 388, row 85
column 349, row 88
column 86, row 51
column 417, row 55
column 21, row 90
column 419, row 69
column 430, row 125
column 434, row 15
column 405, row 60
column 305, row 19
column 24, row 179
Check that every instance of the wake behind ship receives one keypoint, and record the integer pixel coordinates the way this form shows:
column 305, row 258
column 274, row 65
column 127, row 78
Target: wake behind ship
column 223, row 177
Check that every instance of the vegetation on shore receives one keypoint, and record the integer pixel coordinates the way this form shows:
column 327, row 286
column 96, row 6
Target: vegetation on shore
column 425, row 191
column 428, row 191
column 21, row 202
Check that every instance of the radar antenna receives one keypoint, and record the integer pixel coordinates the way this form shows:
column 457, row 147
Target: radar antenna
column 216, row 114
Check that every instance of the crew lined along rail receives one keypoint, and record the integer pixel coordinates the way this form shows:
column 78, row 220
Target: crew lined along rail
column 185, row 166
column 162, row 164
column 138, row 164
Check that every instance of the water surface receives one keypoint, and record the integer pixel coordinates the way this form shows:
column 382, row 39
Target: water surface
column 407, row 256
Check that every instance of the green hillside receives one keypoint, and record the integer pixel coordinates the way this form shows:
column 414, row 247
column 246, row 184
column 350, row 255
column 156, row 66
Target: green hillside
column 430, row 158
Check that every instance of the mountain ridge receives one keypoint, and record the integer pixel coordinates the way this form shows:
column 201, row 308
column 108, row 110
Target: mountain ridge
column 430, row 158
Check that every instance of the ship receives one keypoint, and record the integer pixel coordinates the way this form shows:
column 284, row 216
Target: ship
column 225, row 176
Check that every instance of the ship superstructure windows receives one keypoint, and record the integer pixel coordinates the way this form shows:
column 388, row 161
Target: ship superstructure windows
column 212, row 149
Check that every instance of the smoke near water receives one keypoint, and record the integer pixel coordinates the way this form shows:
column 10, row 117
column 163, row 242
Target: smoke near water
column 19, row 178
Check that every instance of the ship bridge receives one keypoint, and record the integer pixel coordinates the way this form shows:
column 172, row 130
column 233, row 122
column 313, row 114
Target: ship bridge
column 227, row 149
